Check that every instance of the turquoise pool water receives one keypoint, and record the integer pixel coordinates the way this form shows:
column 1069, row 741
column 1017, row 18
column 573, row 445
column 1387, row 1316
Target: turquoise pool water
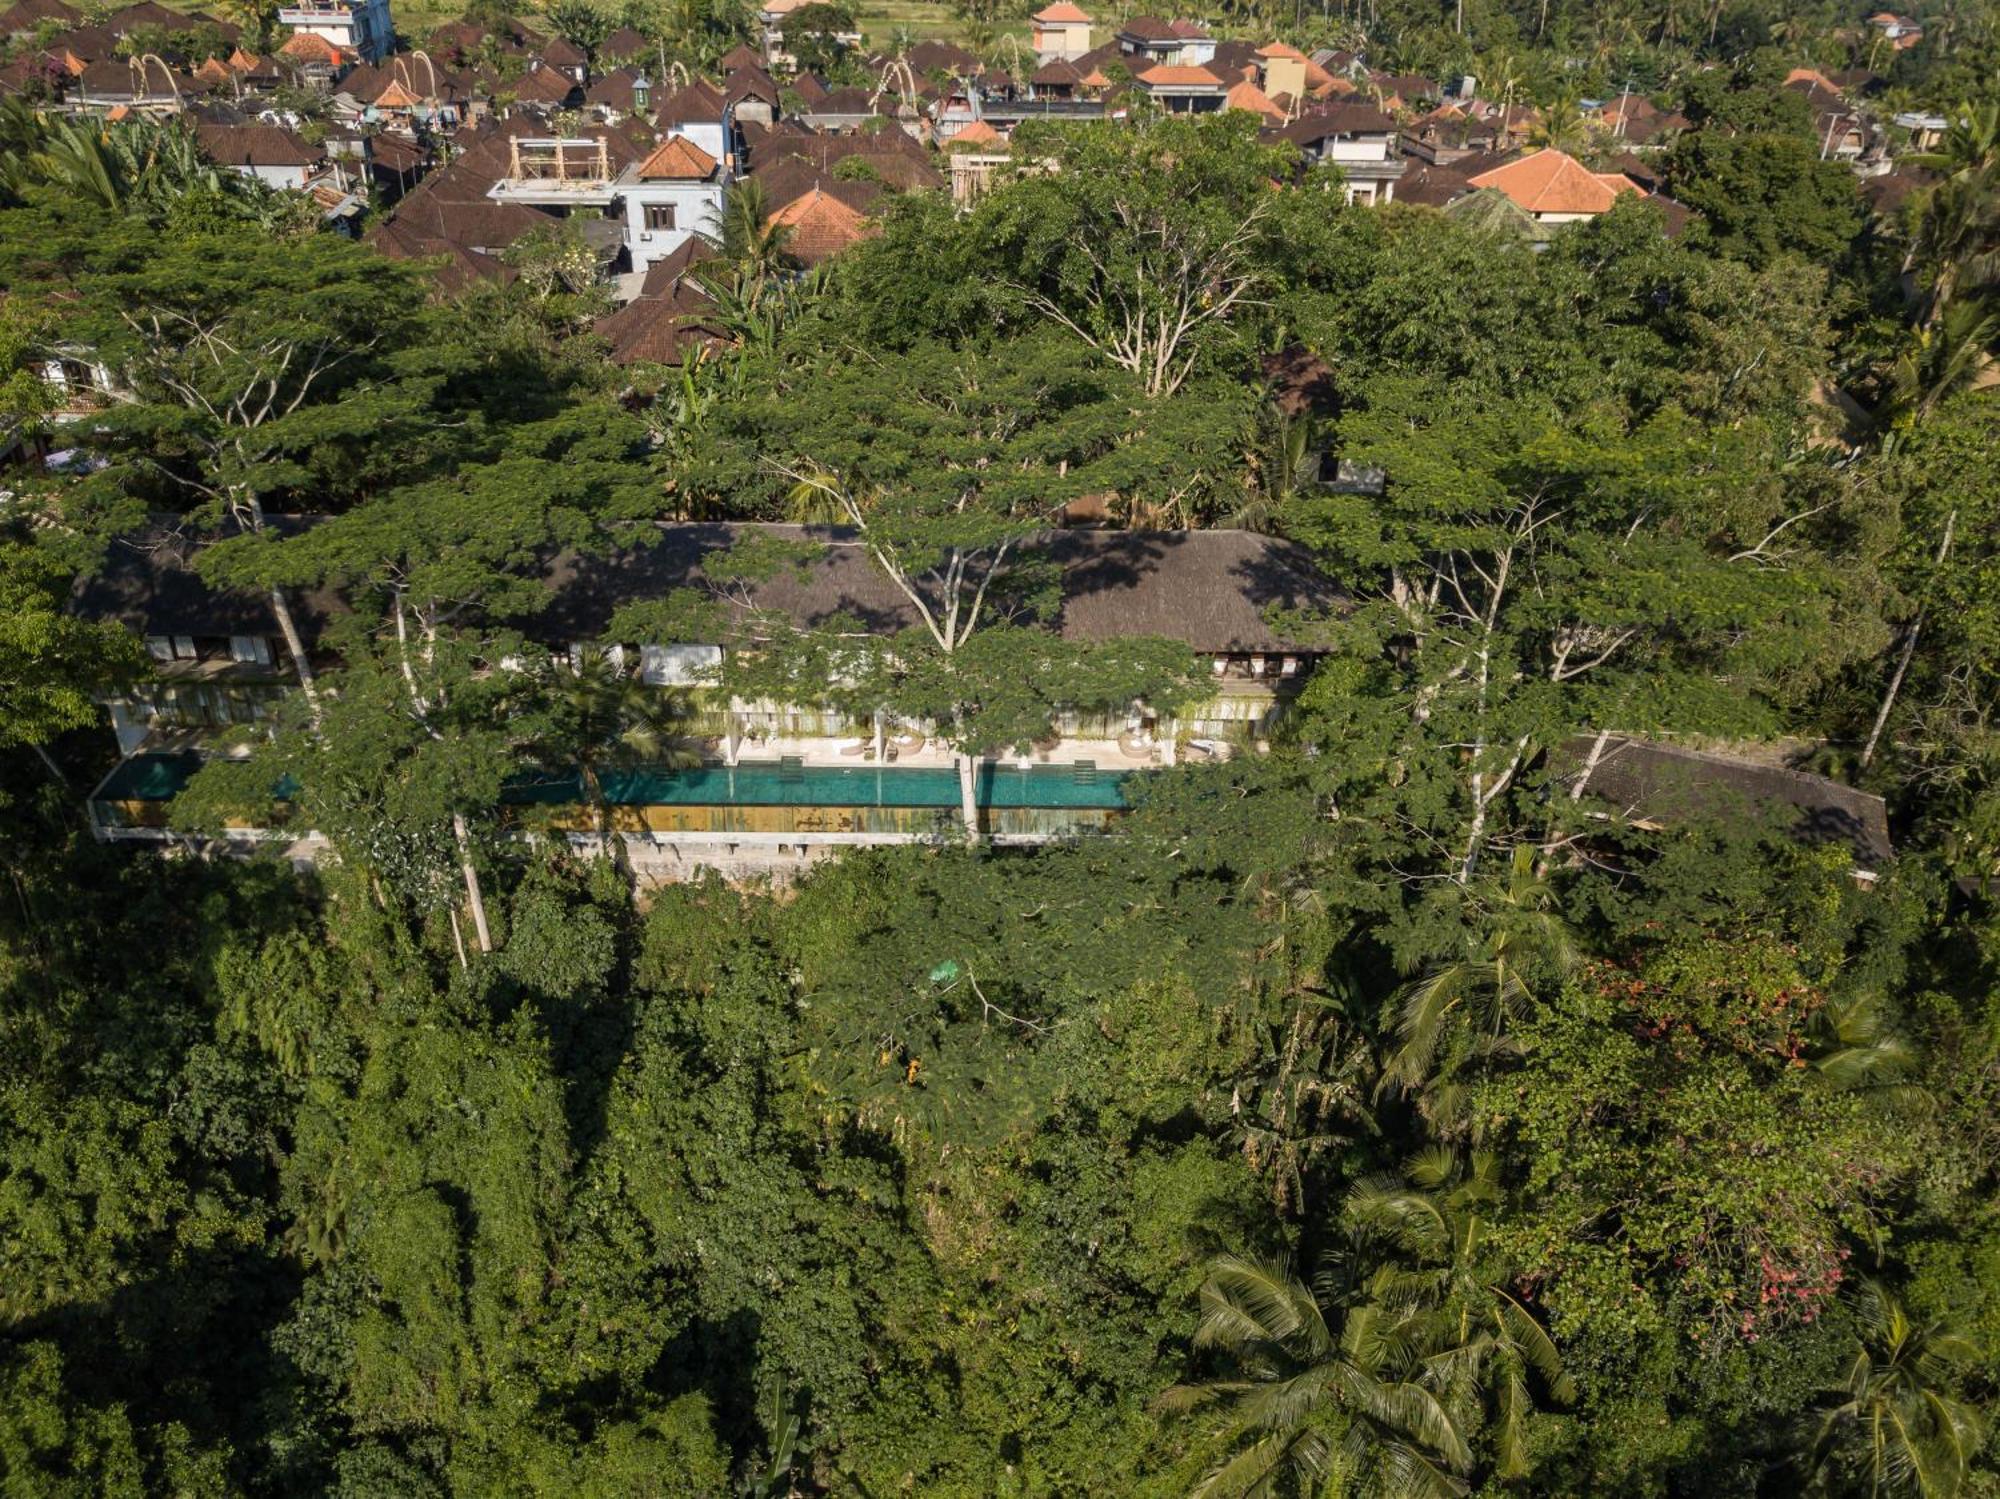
column 160, row 777
column 768, row 785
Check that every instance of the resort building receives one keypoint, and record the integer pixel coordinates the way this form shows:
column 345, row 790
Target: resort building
column 780, row 782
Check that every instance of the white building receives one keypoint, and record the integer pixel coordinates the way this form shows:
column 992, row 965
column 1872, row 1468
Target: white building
column 1060, row 32
column 361, row 26
column 671, row 196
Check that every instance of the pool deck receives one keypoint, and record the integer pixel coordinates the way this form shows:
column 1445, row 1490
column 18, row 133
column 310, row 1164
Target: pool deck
column 1105, row 754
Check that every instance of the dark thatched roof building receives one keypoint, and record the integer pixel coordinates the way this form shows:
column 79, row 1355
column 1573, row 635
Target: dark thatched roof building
column 1661, row 784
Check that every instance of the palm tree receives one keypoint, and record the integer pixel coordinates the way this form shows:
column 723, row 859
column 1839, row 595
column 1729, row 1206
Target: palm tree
column 1894, row 1426
column 1459, row 1014
column 744, row 235
column 1561, row 126
column 598, row 713
column 1284, row 472
column 1305, row 1405
column 1954, row 247
column 1490, row 1343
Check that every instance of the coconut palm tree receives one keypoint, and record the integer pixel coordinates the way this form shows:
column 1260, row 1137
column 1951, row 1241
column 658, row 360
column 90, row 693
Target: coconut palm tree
column 1895, row 1426
column 1304, row 1403
column 1460, row 1013
column 1954, row 244
column 1490, row 1347
column 597, row 713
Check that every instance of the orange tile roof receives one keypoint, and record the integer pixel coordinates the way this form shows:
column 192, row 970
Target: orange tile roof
column 978, row 133
column 1062, row 13
column 1179, row 75
column 1550, row 181
column 395, row 96
column 677, row 159
column 1280, row 49
column 821, row 226
column 1248, row 96
column 306, row 47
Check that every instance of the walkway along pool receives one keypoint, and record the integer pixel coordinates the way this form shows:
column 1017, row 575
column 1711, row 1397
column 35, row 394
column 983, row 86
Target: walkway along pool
column 756, row 800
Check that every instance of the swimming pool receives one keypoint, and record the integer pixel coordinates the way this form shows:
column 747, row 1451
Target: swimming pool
column 160, row 776
column 765, row 784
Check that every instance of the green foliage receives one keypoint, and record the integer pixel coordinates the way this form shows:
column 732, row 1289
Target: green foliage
column 1634, row 1160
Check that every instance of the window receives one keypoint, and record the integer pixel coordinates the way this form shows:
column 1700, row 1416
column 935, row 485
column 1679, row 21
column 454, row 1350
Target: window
column 250, row 649
column 161, row 648
column 659, row 215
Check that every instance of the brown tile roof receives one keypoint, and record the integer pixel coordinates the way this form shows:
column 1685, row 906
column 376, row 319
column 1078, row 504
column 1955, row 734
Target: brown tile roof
column 896, row 159
column 1148, row 29
column 1248, row 96
column 543, row 86
column 561, row 52
column 255, row 146
column 148, row 13
column 1179, row 75
column 978, row 133
column 750, row 83
column 478, row 224
column 699, row 103
column 29, row 15
column 460, row 267
column 790, row 178
column 614, row 90
column 1330, row 120
column 934, row 56
column 303, row 46
column 844, row 101
column 661, row 330
column 624, row 43
column 1550, row 181
column 665, row 275
column 1434, row 186
column 677, row 159
column 821, row 226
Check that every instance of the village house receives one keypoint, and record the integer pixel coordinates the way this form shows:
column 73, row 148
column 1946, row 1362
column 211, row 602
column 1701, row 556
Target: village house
column 1059, row 32
column 1149, row 41
column 1182, row 88
column 1900, row 32
column 670, row 197
column 272, row 154
column 1551, row 187
column 360, row 27
column 1357, row 138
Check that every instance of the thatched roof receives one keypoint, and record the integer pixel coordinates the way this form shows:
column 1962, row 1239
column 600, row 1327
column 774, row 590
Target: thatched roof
column 147, row 581
column 1663, row 783
column 1208, row 588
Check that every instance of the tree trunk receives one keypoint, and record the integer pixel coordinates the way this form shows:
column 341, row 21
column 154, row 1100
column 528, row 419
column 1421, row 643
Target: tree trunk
column 968, row 796
column 296, row 648
column 1909, row 652
column 54, row 769
column 472, row 894
column 1589, row 765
